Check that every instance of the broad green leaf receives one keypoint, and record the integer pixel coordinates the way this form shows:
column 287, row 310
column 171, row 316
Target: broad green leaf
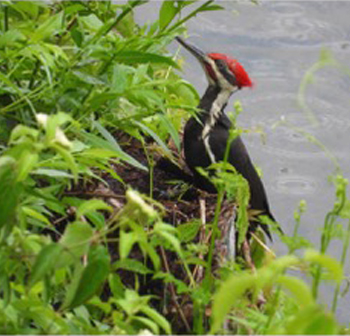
column 77, row 36
column 167, row 12
column 188, row 231
column 132, row 57
column 45, row 262
column 116, row 285
column 51, row 26
column 91, row 22
column 75, row 242
column 119, row 78
column 132, row 265
column 25, row 164
column 229, row 293
column 90, row 206
column 126, row 242
column 91, row 279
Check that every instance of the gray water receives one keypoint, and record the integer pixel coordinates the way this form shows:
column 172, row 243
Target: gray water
column 277, row 42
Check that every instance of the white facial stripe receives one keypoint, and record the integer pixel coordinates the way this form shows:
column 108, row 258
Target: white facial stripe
column 214, row 114
column 226, row 90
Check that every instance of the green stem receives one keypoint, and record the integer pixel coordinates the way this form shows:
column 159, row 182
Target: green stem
column 325, row 239
column 150, row 162
column 6, row 18
column 32, row 78
column 342, row 261
column 186, row 18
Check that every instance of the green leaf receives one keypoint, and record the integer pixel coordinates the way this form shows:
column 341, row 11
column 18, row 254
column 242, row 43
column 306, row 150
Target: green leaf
column 74, row 9
column 28, row 7
column 91, row 279
column 10, row 37
column 126, row 242
column 119, row 78
column 45, row 262
column 91, row 22
column 76, row 242
column 5, row 80
column 52, row 173
column 90, row 206
column 335, row 270
column 132, row 265
column 227, row 296
column 167, row 13
column 49, row 28
column 212, row 8
column 5, row 288
column 132, row 57
column 25, row 164
column 88, row 78
column 10, row 191
column 188, row 231
column 298, row 288
column 68, row 157
column 167, row 124
column 116, row 285
column 174, row 242
column 156, row 317
column 311, row 320
column 148, row 323
column 35, row 214
column 112, row 144
column 155, row 137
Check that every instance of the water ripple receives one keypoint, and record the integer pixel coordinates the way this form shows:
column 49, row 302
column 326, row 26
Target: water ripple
column 295, row 185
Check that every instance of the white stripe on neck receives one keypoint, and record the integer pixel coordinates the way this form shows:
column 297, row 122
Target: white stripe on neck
column 214, row 115
column 217, row 108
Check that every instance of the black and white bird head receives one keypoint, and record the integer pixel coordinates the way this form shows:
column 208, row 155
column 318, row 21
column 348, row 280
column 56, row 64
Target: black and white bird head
column 221, row 70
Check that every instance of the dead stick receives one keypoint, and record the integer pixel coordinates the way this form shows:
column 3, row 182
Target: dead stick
column 173, row 293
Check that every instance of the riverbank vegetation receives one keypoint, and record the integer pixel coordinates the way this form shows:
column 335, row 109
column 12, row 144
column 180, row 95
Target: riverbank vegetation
column 96, row 236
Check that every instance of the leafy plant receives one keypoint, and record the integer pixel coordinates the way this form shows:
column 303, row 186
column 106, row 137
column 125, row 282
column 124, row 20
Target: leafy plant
column 76, row 77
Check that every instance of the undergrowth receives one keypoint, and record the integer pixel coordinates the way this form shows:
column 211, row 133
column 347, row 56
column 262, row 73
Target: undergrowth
column 73, row 74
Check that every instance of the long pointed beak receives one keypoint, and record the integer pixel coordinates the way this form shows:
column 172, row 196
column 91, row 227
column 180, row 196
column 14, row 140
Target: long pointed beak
column 200, row 55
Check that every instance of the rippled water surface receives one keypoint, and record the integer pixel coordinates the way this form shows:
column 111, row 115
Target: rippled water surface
column 277, row 42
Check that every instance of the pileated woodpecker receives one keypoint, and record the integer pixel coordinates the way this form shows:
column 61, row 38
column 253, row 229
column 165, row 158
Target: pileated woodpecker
column 206, row 136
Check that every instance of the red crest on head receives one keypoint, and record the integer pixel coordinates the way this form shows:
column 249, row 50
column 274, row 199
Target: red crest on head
column 237, row 69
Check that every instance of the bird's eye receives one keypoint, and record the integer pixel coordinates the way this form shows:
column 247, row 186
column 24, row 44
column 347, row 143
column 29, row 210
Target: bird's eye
column 221, row 64
column 225, row 71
